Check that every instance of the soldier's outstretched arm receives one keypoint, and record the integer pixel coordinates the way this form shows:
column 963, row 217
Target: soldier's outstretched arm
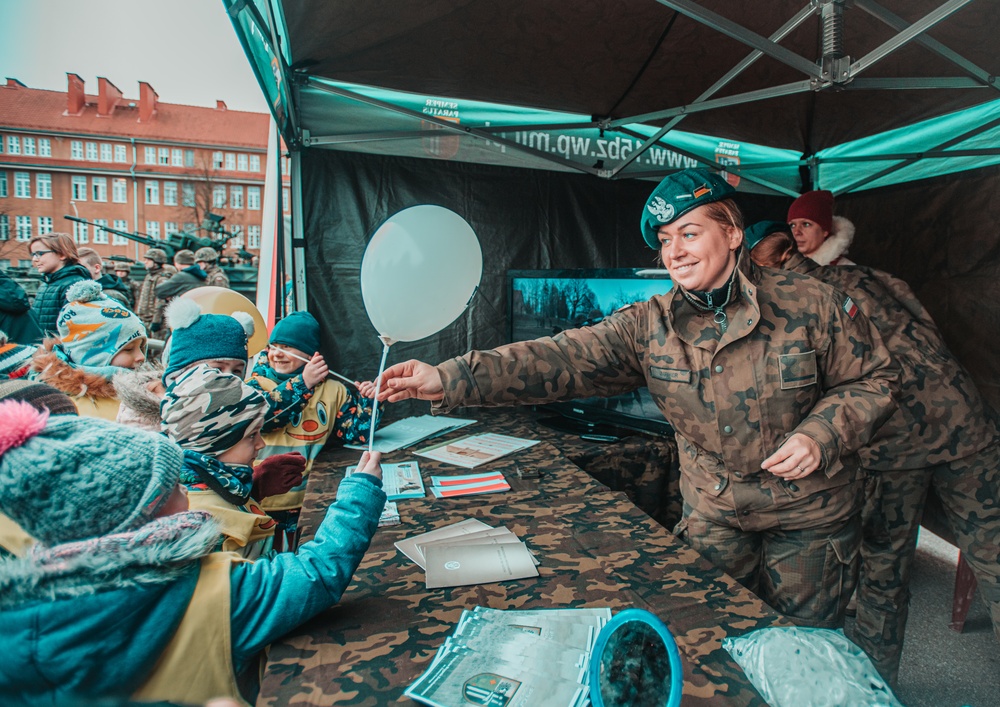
column 410, row 379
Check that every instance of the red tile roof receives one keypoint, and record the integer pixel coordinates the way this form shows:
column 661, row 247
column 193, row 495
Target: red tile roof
column 38, row 109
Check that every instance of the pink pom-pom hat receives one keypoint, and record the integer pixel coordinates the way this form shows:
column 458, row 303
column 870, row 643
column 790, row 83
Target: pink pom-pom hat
column 19, row 422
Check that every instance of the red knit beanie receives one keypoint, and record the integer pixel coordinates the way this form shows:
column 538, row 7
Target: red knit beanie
column 817, row 206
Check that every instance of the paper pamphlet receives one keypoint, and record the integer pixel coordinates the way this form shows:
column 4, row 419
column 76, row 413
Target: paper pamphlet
column 471, row 451
column 458, row 565
column 468, row 484
column 411, row 430
column 409, row 546
column 399, row 481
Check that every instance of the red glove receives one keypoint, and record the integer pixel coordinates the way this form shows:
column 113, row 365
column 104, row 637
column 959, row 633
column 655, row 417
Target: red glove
column 277, row 474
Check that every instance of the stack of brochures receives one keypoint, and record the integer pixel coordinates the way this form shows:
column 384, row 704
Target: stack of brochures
column 411, row 430
column 499, row 657
column 475, row 450
column 468, row 484
column 469, row 552
column 399, row 481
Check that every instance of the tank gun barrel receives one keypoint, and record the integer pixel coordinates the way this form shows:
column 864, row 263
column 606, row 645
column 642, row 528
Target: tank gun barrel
column 145, row 240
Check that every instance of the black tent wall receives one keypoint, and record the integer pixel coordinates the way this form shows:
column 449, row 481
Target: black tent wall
column 529, row 219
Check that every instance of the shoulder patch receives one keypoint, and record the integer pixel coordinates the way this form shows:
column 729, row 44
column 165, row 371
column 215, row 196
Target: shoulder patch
column 850, row 308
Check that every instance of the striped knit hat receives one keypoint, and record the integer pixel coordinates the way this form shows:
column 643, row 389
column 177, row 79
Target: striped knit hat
column 15, row 359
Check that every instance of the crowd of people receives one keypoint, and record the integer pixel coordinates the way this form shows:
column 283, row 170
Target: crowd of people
column 814, row 402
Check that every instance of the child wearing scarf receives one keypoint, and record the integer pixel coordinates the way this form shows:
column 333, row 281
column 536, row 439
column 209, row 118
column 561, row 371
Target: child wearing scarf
column 308, row 409
column 97, row 338
column 123, row 599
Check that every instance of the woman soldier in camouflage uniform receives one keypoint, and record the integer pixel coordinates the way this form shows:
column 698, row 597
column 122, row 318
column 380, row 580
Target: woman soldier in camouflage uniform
column 771, row 381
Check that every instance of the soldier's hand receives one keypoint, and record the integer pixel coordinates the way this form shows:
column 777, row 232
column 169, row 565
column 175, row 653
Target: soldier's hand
column 315, row 371
column 411, row 379
column 798, row 457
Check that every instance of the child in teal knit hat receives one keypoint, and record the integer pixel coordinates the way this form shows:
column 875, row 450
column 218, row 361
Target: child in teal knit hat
column 308, row 409
column 123, row 600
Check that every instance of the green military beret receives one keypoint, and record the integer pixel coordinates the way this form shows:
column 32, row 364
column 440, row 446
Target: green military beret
column 678, row 194
column 753, row 235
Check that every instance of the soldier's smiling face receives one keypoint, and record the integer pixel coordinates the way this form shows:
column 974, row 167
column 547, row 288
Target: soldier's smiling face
column 698, row 251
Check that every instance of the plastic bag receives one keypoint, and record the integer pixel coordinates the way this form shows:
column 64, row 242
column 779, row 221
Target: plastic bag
column 809, row 667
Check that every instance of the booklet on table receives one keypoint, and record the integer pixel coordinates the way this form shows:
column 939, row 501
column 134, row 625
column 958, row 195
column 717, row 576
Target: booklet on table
column 471, row 451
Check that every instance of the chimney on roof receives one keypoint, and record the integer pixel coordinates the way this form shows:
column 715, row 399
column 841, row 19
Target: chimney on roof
column 147, row 102
column 220, row 105
column 12, row 83
column 108, row 96
column 76, row 99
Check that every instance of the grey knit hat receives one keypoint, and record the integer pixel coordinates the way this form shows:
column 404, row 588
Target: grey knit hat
column 66, row 478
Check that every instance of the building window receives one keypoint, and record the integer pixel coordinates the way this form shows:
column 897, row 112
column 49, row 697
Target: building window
column 219, row 197
column 105, row 154
column 29, row 146
column 3, row 184
column 169, row 228
column 241, row 162
column 24, row 228
column 254, row 163
column 216, row 160
column 92, row 151
column 119, row 191
column 79, row 188
column 286, row 166
column 150, row 155
column 231, row 161
column 253, row 198
column 164, row 156
column 176, row 157
column 285, row 201
column 22, row 185
column 13, row 144
column 44, row 225
column 170, row 193
column 43, row 185
column 237, row 240
column 120, row 224
column 1, row 144
column 4, row 227
column 120, row 154
column 187, row 194
column 189, row 158
column 99, row 188
column 100, row 235
column 190, row 228
column 253, row 237
column 152, row 191
column 153, row 229
column 44, row 147
column 80, row 232
column 76, row 150
column 236, row 197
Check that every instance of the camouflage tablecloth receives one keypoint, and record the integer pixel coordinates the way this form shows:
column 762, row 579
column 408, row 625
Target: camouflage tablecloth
column 596, row 549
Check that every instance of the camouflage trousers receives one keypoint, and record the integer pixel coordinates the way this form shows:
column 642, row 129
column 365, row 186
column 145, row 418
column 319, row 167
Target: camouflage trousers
column 969, row 491
column 808, row 574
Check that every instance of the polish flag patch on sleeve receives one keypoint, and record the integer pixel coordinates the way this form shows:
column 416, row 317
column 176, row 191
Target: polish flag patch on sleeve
column 850, row 309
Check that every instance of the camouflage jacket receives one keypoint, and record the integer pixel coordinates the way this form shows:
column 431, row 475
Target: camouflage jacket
column 148, row 306
column 797, row 357
column 216, row 277
column 941, row 416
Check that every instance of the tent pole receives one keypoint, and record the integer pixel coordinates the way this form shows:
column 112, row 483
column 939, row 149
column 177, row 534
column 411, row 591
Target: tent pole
column 297, row 241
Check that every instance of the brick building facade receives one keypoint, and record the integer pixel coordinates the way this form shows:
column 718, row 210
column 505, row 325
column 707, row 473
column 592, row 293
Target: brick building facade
column 133, row 165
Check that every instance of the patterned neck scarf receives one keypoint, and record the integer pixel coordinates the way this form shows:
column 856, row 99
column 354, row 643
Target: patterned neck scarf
column 231, row 481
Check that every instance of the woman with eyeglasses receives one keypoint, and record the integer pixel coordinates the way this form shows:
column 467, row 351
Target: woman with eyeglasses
column 54, row 255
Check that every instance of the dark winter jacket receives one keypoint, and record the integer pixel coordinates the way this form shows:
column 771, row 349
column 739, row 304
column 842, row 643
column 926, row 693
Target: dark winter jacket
column 16, row 317
column 51, row 295
column 186, row 279
column 116, row 288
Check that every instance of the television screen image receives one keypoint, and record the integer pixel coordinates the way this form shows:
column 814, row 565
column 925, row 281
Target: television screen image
column 546, row 302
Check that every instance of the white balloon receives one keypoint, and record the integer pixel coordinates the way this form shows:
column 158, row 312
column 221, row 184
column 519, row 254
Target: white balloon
column 419, row 271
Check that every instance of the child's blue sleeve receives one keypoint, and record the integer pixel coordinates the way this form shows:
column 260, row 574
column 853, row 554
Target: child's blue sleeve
column 270, row 597
column 354, row 419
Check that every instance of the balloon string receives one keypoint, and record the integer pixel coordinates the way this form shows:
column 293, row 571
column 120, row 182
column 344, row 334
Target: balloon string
column 378, row 387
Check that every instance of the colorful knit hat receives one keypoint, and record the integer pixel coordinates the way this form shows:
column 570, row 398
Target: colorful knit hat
column 66, row 478
column 300, row 330
column 817, row 206
column 15, row 359
column 678, row 194
column 203, row 337
column 40, row 396
column 93, row 327
column 208, row 411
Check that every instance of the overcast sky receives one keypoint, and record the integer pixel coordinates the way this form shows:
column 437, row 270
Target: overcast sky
column 185, row 49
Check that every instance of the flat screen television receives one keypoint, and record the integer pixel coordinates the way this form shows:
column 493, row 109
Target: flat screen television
column 545, row 302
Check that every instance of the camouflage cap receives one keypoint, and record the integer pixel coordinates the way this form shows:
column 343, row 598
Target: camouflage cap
column 184, row 257
column 754, row 234
column 156, row 255
column 678, row 194
column 206, row 255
